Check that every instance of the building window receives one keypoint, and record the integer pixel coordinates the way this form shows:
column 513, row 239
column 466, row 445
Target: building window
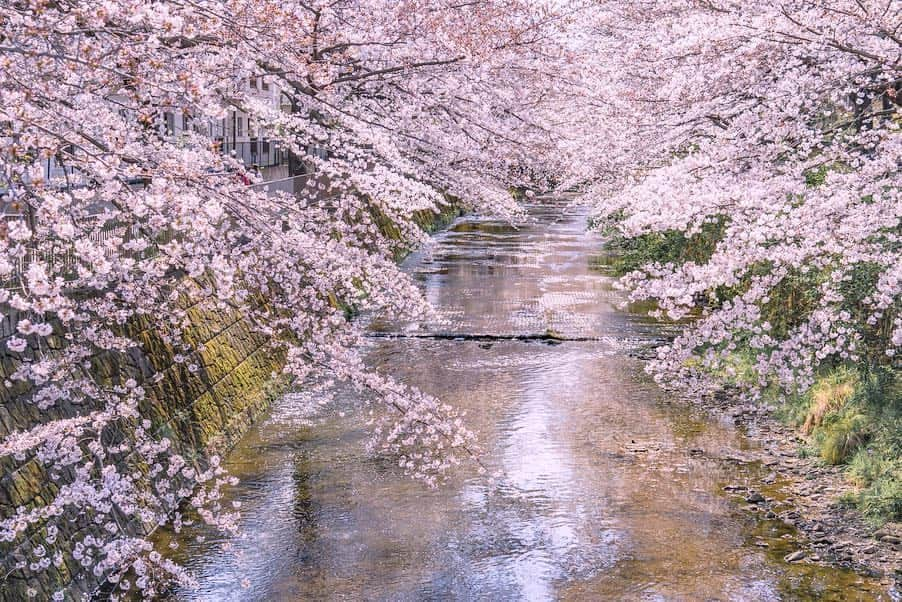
column 240, row 129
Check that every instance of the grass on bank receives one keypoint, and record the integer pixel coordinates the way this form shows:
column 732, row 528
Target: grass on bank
column 852, row 415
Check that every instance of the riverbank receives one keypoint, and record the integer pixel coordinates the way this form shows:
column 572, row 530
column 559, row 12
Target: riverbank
column 835, row 438
column 804, row 492
column 809, row 446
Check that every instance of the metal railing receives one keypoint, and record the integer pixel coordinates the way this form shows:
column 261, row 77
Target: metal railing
column 262, row 152
column 63, row 261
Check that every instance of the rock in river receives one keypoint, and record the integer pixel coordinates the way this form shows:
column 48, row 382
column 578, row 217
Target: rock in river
column 794, row 556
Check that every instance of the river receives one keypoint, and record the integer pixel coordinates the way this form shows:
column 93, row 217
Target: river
column 600, row 485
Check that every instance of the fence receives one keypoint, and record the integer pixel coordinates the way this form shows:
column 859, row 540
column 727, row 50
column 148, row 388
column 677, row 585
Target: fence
column 64, row 260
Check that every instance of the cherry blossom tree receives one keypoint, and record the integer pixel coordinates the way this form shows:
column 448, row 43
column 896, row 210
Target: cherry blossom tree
column 770, row 132
column 408, row 103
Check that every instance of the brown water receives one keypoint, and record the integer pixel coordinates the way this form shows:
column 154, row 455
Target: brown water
column 605, row 488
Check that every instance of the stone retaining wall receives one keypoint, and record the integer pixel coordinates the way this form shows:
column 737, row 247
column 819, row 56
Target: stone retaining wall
column 201, row 413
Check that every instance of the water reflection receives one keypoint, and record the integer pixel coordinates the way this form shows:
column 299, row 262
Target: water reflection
column 599, row 488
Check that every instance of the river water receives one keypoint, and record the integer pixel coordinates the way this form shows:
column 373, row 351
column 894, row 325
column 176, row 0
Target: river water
column 600, row 486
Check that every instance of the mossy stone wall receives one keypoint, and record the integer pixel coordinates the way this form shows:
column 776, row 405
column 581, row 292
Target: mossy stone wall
column 202, row 413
